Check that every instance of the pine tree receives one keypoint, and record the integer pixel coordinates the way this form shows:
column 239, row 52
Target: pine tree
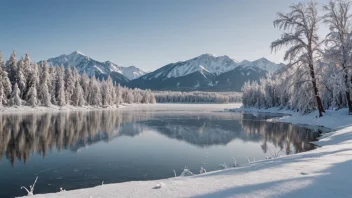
column 27, row 70
column 118, row 99
column 15, row 96
column 95, row 97
column 78, row 97
column 5, row 81
column 2, row 65
column 11, row 68
column 20, row 77
column 84, row 81
column 53, row 84
column 60, row 90
column 146, row 97
column 44, row 94
column 69, row 85
column 110, row 87
column 105, row 93
column 2, row 94
column 32, row 96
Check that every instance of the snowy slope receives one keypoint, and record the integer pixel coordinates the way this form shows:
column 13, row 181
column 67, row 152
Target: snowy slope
column 208, row 62
column 91, row 66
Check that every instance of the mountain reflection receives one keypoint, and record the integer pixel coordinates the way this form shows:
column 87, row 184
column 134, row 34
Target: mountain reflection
column 22, row 135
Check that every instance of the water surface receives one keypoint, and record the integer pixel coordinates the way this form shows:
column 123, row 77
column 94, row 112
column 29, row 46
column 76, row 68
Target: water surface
column 82, row 149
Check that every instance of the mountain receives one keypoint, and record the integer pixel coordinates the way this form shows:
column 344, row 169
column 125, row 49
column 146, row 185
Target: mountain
column 206, row 73
column 86, row 64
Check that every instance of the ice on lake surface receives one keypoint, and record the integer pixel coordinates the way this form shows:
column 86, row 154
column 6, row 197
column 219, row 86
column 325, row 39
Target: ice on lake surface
column 81, row 149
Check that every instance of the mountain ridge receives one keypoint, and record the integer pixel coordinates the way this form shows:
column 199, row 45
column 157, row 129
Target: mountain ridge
column 205, row 72
column 92, row 67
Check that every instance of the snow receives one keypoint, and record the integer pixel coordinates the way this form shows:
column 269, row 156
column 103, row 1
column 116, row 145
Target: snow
column 53, row 108
column 323, row 172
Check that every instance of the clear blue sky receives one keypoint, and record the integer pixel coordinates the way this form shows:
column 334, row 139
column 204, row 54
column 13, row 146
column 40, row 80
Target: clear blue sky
column 145, row 33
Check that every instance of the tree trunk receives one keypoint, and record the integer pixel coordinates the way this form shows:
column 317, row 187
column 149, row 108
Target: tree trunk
column 349, row 103
column 348, row 96
column 316, row 92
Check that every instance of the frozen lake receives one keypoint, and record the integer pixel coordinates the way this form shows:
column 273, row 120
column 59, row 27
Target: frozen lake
column 143, row 142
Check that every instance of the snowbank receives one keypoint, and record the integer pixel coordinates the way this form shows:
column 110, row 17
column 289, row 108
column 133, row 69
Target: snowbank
column 53, row 108
column 323, row 172
column 331, row 119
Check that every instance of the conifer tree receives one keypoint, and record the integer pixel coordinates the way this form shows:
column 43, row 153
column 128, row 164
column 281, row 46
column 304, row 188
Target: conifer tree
column 15, row 96
column 60, row 91
column 44, row 94
column 69, row 85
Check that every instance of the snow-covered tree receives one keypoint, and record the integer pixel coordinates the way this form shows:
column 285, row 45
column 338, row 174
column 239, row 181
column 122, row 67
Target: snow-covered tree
column 301, row 25
column 2, row 94
column 95, row 98
column 11, row 68
column 32, row 96
column 118, row 91
column 69, row 85
column 2, row 65
column 78, row 95
column 84, row 81
column 53, row 84
column 339, row 40
column 4, row 79
column 44, row 94
column 42, row 85
column 20, row 77
column 107, row 92
column 15, row 96
column 60, row 89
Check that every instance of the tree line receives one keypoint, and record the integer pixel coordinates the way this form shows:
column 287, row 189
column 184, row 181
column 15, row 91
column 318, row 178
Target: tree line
column 318, row 73
column 27, row 83
column 196, row 97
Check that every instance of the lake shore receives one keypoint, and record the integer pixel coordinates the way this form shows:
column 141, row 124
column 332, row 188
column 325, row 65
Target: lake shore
column 54, row 109
column 323, row 172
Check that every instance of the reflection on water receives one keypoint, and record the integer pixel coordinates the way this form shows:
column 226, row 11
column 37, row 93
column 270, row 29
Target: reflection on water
column 137, row 145
column 21, row 135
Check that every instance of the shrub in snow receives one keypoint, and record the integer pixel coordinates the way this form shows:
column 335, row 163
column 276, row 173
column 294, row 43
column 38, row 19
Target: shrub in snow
column 224, row 166
column 186, row 172
column 202, row 170
column 235, row 165
column 30, row 192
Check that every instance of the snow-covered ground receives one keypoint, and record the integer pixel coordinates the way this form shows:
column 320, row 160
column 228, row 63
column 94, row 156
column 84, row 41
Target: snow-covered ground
column 323, row 172
column 53, row 108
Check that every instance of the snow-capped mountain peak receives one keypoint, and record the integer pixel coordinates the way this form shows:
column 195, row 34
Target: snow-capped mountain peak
column 90, row 66
column 211, row 64
column 263, row 64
